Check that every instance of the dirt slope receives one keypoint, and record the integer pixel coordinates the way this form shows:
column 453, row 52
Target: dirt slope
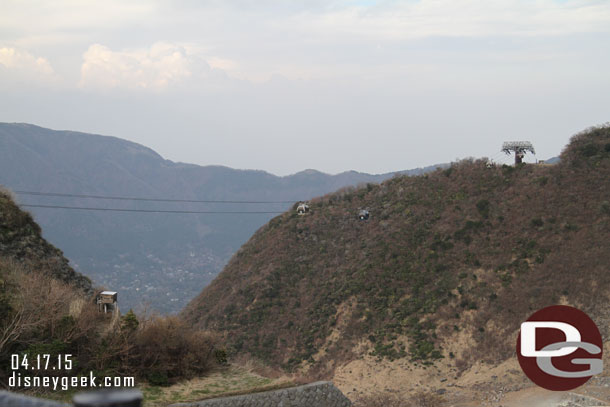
column 444, row 271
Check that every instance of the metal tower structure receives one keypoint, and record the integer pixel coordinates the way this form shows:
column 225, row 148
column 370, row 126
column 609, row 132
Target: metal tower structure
column 519, row 148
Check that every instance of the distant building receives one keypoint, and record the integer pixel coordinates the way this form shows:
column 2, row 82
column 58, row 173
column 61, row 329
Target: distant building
column 107, row 300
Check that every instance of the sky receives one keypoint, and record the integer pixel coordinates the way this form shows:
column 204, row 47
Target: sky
column 283, row 86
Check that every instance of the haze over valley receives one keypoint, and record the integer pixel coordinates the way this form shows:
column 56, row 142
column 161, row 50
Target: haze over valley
column 157, row 260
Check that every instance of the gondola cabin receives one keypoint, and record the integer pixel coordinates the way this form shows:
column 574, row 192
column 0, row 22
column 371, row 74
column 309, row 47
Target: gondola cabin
column 302, row 209
column 363, row 214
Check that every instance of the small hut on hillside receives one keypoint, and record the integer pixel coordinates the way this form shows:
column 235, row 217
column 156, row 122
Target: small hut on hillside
column 107, row 300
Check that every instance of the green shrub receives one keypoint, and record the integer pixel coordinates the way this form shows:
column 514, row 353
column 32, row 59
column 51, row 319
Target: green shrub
column 221, row 356
column 157, row 377
column 483, row 208
column 129, row 321
column 589, row 150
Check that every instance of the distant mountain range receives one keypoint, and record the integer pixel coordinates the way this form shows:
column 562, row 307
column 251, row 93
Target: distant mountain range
column 160, row 259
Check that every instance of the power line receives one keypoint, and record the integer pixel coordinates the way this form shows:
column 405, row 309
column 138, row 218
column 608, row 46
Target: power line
column 125, row 198
column 145, row 210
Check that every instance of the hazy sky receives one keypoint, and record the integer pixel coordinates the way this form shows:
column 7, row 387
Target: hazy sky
column 374, row 86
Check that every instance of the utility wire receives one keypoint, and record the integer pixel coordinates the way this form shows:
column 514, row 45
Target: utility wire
column 125, row 198
column 145, row 210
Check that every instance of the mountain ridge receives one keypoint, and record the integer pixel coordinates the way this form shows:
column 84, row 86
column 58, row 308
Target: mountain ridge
column 458, row 256
column 162, row 260
column 21, row 241
column 143, row 148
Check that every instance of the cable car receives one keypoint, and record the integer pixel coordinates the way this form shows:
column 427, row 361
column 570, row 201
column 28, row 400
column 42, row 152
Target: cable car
column 363, row 214
column 303, row 208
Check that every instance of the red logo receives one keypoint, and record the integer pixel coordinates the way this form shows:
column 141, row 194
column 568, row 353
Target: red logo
column 560, row 348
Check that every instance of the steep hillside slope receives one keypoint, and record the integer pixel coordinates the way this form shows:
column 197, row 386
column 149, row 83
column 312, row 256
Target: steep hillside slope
column 46, row 308
column 37, row 286
column 448, row 265
column 165, row 259
column 21, row 241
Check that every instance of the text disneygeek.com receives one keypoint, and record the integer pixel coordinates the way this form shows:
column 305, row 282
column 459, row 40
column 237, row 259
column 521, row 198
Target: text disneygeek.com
column 64, row 383
column 46, row 362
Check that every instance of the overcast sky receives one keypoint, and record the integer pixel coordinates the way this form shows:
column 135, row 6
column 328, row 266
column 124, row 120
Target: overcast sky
column 374, row 86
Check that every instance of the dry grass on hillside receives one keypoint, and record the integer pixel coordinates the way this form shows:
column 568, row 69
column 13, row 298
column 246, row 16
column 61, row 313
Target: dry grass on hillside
column 464, row 252
column 47, row 308
column 221, row 382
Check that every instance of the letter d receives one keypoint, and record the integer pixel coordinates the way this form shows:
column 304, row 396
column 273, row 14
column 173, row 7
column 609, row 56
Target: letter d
column 11, row 380
column 528, row 338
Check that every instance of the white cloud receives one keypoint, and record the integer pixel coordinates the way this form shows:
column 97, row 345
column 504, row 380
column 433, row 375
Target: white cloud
column 222, row 63
column 19, row 65
column 254, row 39
column 161, row 66
column 22, row 60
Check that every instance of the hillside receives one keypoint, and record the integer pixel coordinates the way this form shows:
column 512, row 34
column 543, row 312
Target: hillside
column 37, row 287
column 46, row 308
column 447, row 267
column 21, row 241
column 162, row 259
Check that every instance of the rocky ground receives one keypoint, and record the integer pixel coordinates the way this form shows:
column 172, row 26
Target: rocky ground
column 504, row 385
